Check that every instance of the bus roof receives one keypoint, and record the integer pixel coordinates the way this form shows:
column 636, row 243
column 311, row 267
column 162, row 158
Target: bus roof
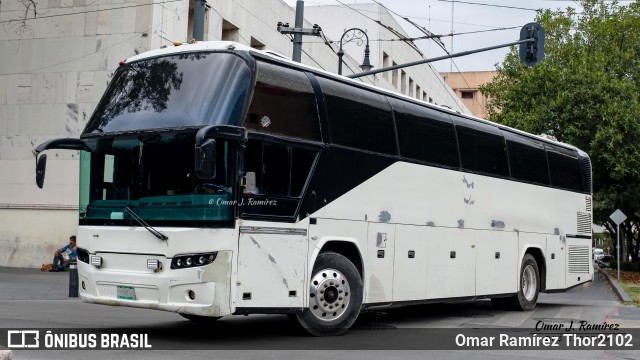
column 282, row 59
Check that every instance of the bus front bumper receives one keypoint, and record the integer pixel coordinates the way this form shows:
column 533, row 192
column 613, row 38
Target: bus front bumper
column 203, row 290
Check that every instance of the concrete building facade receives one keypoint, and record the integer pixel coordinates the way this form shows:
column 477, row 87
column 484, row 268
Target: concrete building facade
column 467, row 87
column 55, row 67
column 421, row 82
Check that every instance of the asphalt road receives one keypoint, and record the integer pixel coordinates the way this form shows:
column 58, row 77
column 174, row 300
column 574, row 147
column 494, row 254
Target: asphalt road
column 31, row 299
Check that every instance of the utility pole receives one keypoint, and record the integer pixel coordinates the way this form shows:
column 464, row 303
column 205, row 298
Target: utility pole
column 298, row 31
column 198, row 19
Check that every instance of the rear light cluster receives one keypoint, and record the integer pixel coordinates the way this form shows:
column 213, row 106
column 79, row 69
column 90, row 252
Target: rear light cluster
column 83, row 255
column 187, row 261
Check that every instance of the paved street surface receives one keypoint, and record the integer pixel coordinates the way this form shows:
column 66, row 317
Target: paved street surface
column 33, row 299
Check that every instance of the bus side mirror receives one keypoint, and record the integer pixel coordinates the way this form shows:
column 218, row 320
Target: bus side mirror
column 205, row 159
column 41, row 166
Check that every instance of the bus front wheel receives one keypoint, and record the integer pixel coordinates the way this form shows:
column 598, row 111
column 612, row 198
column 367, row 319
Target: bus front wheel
column 335, row 296
column 529, row 288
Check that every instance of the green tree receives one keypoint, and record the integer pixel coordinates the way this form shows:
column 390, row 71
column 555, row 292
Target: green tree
column 586, row 92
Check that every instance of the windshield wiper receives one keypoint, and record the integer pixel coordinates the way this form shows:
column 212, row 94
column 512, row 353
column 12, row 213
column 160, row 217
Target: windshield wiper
column 137, row 218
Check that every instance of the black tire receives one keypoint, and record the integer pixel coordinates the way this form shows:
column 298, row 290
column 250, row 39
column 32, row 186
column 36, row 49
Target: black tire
column 200, row 319
column 528, row 292
column 337, row 279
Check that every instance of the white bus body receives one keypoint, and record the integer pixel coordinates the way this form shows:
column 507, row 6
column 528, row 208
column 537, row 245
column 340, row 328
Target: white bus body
column 414, row 232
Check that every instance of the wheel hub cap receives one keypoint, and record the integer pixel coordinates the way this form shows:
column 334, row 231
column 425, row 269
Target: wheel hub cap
column 529, row 284
column 329, row 294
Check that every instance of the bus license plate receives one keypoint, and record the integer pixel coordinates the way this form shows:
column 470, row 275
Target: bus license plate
column 126, row 292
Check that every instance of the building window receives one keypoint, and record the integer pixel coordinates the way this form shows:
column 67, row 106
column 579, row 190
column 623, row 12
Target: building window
column 385, row 63
column 256, row 44
column 410, row 92
column 230, row 32
column 418, row 92
column 394, row 76
column 403, row 82
column 467, row 94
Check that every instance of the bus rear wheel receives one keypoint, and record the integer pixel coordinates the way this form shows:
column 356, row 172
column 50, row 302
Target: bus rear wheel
column 335, row 296
column 529, row 288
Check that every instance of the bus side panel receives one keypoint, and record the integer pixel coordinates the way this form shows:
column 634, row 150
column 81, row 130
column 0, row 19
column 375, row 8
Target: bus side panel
column 270, row 267
column 380, row 252
column 451, row 267
column 579, row 264
column 410, row 264
column 496, row 258
column 555, row 257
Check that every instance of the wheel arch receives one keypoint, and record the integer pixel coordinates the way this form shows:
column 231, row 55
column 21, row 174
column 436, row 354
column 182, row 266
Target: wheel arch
column 542, row 266
column 345, row 247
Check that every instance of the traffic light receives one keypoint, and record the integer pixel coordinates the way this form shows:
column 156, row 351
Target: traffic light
column 531, row 53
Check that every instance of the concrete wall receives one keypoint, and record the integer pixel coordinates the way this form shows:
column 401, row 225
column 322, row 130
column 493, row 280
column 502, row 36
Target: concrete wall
column 52, row 74
column 54, row 71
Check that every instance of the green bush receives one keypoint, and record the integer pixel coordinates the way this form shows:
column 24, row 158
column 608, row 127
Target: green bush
column 626, row 265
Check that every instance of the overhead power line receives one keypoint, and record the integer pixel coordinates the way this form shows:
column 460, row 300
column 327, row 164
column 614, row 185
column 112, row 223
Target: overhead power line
column 491, row 5
column 391, row 29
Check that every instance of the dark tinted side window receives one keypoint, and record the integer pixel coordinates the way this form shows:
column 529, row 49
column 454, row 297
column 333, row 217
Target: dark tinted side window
column 283, row 103
column 482, row 148
column 565, row 170
column 281, row 172
column 358, row 118
column 425, row 134
column 527, row 159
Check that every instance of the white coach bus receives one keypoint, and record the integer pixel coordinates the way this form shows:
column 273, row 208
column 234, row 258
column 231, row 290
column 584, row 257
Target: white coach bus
column 217, row 180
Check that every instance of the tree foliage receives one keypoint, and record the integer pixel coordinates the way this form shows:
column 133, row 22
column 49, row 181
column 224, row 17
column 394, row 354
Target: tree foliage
column 586, row 92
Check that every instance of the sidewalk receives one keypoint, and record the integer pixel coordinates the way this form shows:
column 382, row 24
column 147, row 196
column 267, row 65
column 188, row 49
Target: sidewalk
column 628, row 316
column 33, row 284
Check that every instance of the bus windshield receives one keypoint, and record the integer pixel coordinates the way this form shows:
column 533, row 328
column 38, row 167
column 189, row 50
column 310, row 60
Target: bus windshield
column 176, row 91
column 154, row 176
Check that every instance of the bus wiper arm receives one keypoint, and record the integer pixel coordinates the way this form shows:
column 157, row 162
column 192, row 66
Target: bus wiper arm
column 137, row 218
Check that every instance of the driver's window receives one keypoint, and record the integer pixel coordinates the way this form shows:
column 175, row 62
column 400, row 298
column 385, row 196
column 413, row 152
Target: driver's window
column 277, row 173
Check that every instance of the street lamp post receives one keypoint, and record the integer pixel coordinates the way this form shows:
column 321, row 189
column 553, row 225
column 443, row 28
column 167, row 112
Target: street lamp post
column 358, row 34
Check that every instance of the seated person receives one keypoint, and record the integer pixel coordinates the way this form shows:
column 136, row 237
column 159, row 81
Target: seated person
column 64, row 255
column 250, row 184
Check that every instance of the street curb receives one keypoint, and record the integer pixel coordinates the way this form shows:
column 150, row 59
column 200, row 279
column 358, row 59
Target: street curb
column 622, row 295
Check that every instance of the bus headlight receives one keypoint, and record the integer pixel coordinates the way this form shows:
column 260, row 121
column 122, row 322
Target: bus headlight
column 96, row 261
column 154, row 264
column 193, row 260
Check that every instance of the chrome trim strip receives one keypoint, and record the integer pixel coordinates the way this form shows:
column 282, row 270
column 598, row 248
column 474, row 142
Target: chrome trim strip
column 271, row 230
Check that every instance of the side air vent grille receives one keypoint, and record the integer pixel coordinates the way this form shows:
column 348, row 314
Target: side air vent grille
column 584, row 224
column 579, row 259
column 588, row 203
column 585, row 162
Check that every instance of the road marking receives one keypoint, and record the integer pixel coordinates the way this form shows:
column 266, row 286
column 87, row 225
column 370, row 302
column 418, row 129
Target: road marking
column 513, row 318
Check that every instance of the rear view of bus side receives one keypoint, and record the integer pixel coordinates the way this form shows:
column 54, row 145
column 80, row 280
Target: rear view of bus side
column 326, row 196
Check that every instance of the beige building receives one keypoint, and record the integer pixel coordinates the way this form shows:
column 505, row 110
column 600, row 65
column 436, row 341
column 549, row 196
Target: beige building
column 467, row 86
